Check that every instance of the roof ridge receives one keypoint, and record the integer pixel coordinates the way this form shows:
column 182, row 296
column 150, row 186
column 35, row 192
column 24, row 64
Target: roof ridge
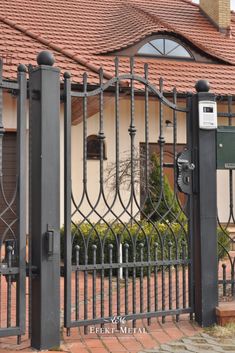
column 78, row 59
column 153, row 17
column 172, row 28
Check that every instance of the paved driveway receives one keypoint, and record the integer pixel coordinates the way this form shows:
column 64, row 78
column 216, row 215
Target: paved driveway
column 198, row 344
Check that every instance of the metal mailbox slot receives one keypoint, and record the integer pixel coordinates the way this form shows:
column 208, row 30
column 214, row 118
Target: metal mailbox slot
column 226, row 147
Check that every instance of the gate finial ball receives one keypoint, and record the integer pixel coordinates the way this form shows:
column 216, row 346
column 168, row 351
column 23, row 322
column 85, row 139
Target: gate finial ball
column 45, row 57
column 202, row 86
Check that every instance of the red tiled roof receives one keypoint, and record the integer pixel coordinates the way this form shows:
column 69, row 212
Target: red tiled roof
column 81, row 33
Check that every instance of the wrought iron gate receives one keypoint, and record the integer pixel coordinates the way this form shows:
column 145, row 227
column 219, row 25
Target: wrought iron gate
column 127, row 235
column 136, row 212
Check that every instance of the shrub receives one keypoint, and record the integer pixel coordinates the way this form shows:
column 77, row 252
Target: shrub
column 102, row 235
column 160, row 205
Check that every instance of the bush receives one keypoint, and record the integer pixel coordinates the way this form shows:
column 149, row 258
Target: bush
column 160, row 205
column 102, row 235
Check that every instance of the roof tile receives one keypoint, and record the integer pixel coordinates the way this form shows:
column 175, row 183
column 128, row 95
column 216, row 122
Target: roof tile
column 81, row 33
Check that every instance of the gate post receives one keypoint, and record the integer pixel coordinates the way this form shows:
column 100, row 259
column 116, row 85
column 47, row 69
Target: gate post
column 204, row 213
column 44, row 88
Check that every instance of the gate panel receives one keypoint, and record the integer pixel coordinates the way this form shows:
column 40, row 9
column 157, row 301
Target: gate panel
column 127, row 234
column 13, row 217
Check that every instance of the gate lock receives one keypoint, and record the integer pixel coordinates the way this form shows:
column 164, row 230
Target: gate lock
column 49, row 239
column 185, row 168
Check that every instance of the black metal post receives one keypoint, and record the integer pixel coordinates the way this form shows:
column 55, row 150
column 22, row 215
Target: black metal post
column 45, row 201
column 205, row 213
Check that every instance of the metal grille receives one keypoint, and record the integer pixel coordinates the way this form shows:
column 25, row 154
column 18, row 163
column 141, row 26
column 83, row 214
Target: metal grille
column 127, row 235
column 13, row 227
column 226, row 216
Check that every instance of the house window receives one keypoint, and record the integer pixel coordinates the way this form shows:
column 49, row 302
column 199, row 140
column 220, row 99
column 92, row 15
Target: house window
column 94, row 148
column 163, row 47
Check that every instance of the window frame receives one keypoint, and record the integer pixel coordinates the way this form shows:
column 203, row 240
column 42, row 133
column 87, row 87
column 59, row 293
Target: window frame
column 164, row 37
column 97, row 156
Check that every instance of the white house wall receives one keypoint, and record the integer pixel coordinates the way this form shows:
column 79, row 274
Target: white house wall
column 9, row 120
column 93, row 187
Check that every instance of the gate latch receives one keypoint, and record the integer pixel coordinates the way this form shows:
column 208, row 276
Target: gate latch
column 185, row 168
column 49, row 238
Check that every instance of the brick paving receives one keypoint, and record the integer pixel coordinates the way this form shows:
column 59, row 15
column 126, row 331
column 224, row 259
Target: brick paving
column 116, row 342
column 158, row 339
column 158, row 336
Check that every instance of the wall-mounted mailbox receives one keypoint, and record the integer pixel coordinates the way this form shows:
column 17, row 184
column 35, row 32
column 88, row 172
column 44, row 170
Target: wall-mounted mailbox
column 226, row 147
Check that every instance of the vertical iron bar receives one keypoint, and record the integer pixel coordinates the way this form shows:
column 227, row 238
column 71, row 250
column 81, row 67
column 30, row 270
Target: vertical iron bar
column 126, row 279
column 142, row 278
column 132, row 133
column 170, row 274
column 177, row 289
column 77, row 287
column 232, row 279
column 146, row 129
column 21, row 201
column 184, row 274
column 86, row 290
column 85, row 188
column 94, row 294
column 190, row 215
column 156, row 276
column 224, row 266
column 163, row 293
column 67, row 202
column 175, row 191
column 134, row 284
column 161, row 142
column 85, row 131
column 149, row 287
column 102, row 285
column 101, row 135
column 117, row 121
column 118, row 281
column 9, row 284
column 110, row 280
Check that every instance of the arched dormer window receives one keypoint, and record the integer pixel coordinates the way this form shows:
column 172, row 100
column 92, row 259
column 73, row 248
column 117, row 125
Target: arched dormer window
column 164, row 47
column 93, row 148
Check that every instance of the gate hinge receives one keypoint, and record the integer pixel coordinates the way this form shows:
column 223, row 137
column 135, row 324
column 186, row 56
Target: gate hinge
column 33, row 270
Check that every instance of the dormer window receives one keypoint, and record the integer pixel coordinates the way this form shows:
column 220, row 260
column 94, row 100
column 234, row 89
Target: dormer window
column 166, row 46
column 163, row 47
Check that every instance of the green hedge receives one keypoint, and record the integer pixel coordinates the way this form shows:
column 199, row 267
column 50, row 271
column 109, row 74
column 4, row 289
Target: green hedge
column 102, row 236
column 133, row 235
